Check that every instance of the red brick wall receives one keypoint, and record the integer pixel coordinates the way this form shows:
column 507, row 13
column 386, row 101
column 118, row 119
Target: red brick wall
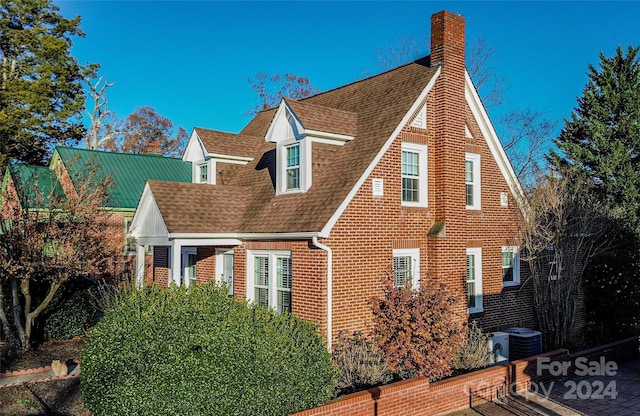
column 309, row 266
column 161, row 266
column 420, row 397
column 206, row 264
column 364, row 237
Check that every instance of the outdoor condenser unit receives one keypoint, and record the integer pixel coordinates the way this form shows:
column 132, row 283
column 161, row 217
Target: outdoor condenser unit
column 523, row 343
column 498, row 344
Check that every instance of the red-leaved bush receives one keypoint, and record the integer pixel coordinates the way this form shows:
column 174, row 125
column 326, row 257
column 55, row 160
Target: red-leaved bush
column 417, row 330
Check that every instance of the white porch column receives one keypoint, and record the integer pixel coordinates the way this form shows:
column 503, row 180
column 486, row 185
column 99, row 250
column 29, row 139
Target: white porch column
column 139, row 265
column 176, row 263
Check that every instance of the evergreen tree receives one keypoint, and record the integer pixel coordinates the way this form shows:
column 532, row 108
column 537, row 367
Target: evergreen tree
column 602, row 138
column 41, row 97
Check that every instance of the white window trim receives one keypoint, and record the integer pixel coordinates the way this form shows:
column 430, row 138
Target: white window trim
column 421, row 150
column 477, row 192
column 281, row 166
column 516, row 265
column 196, row 171
column 477, row 252
column 273, row 275
column 414, row 253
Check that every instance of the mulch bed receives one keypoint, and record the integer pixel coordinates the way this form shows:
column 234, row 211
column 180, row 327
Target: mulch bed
column 54, row 397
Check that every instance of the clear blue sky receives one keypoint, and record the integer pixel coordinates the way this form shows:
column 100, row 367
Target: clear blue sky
column 191, row 60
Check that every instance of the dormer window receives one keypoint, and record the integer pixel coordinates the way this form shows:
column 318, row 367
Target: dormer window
column 293, row 161
column 295, row 129
column 201, row 171
column 293, row 167
column 204, row 173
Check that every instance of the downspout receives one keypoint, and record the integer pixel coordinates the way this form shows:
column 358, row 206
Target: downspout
column 329, row 288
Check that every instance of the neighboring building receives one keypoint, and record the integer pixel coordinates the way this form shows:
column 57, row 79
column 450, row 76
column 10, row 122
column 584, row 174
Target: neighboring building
column 314, row 201
column 127, row 173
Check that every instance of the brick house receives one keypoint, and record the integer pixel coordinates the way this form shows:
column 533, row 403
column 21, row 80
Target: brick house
column 314, row 201
column 128, row 173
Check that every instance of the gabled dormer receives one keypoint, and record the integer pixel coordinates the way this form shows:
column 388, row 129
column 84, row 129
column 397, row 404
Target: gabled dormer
column 294, row 129
column 216, row 154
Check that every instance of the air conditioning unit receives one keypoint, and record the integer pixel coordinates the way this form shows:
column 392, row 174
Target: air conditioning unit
column 523, row 343
column 498, row 344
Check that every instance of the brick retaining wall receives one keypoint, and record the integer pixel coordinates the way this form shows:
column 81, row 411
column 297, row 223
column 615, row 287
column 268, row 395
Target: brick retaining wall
column 419, row 397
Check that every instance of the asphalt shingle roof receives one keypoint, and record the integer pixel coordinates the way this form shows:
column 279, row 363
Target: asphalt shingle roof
column 370, row 110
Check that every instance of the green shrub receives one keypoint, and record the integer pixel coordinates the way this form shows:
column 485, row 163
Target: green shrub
column 360, row 364
column 199, row 352
column 69, row 316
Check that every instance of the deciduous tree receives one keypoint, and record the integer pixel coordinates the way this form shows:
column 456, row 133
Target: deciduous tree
column 273, row 88
column 566, row 227
column 41, row 96
column 142, row 128
column 46, row 239
column 103, row 121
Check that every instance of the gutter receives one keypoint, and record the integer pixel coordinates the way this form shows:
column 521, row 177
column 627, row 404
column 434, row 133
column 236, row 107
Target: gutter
column 329, row 288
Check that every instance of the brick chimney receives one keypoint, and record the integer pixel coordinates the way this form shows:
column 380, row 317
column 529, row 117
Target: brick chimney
column 153, row 148
column 448, row 52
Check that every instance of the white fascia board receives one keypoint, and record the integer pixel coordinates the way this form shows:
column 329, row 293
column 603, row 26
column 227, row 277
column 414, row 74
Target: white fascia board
column 405, row 120
column 147, row 220
column 153, row 241
column 493, row 142
column 279, row 236
column 230, row 159
column 195, row 150
column 329, row 138
column 205, row 242
column 243, row 236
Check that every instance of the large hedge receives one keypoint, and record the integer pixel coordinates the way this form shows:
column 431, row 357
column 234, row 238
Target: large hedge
column 199, row 352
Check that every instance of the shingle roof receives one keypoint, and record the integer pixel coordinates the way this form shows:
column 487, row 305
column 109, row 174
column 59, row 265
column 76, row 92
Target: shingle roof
column 380, row 103
column 370, row 109
column 128, row 172
column 224, row 143
column 199, row 208
column 325, row 119
column 35, row 185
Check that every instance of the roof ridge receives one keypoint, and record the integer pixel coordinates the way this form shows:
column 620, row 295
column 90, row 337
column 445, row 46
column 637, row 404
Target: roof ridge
column 104, row 152
column 426, row 58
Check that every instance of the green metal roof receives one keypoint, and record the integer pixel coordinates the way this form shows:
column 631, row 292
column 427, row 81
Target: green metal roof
column 128, row 172
column 35, row 185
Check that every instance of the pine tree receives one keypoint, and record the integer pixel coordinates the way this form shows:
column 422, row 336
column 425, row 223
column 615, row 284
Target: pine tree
column 41, row 97
column 602, row 138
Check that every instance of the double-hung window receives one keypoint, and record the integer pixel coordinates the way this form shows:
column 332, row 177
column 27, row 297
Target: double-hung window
column 472, row 180
column 510, row 266
column 204, row 173
column 270, row 283
column 406, row 268
column 414, row 174
column 474, row 280
column 293, row 166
